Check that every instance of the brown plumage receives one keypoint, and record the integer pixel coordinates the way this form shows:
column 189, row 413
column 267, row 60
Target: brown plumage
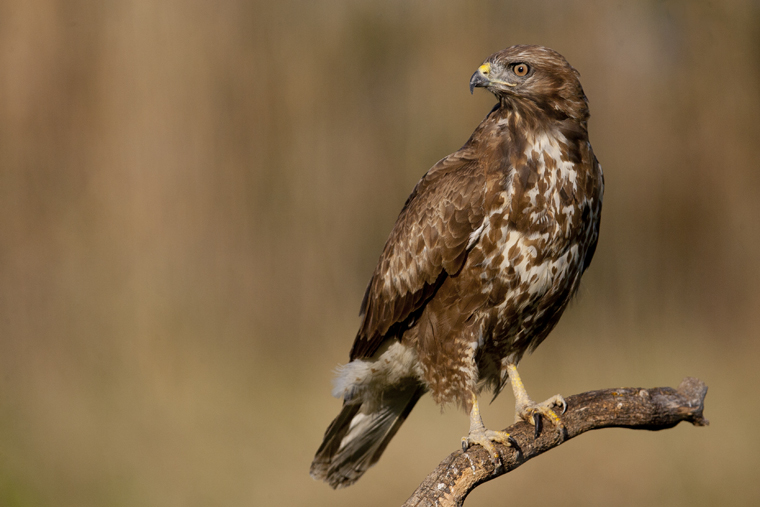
column 482, row 261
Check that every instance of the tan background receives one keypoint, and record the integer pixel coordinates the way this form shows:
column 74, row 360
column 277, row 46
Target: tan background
column 193, row 196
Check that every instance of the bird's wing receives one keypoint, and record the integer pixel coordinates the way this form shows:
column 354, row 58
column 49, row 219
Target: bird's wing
column 598, row 198
column 438, row 225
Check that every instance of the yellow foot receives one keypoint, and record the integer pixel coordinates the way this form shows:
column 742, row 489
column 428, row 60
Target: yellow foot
column 531, row 412
column 485, row 438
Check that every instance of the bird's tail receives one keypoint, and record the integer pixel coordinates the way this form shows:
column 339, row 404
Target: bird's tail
column 356, row 439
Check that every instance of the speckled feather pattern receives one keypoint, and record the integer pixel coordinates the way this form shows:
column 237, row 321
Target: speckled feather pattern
column 492, row 242
column 488, row 249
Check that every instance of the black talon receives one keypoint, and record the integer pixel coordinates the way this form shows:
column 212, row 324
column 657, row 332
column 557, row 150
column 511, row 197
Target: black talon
column 512, row 441
column 464, row 446
column 564, row 407
column 537, row 424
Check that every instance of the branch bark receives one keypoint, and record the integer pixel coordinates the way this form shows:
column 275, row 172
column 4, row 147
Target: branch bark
column 645, row 409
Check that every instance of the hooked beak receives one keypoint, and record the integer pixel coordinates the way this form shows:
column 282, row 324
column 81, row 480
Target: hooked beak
column 480, row 78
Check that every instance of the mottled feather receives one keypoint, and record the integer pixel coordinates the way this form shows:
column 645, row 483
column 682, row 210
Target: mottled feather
column 482, row 261
column 429, row 240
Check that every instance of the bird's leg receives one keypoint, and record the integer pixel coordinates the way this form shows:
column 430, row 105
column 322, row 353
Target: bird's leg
column 530, row 411
column 485, row 437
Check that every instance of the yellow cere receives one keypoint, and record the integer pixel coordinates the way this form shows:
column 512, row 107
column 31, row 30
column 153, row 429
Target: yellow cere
column 485, row 68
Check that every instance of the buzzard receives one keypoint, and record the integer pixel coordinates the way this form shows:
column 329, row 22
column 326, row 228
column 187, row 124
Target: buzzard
column 483, row 259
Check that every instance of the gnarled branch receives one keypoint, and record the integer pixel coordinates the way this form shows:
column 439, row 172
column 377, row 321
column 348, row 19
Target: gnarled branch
column 645, row 409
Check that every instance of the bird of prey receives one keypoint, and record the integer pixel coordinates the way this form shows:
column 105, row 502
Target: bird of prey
column 483, row 259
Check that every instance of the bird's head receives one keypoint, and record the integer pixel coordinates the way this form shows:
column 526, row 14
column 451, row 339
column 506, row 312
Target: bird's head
column 533, row 76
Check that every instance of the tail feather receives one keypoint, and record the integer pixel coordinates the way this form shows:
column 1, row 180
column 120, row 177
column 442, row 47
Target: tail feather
column 356, row 439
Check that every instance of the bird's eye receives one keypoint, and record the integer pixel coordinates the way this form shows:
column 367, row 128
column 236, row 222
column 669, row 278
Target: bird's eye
column 521, row 69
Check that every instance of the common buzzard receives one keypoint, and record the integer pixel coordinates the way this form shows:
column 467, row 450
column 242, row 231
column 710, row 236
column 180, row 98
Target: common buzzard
column 482, row 261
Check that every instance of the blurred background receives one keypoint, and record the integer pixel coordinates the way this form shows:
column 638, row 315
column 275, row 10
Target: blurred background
column 194, row 194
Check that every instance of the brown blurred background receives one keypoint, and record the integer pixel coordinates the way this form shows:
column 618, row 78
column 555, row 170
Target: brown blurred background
column 193, row 196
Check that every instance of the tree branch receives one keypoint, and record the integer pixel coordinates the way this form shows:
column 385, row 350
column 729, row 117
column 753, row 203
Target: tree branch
column 645, row 409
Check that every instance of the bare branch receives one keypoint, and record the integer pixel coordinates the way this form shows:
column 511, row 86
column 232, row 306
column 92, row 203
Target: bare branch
column 647, row 409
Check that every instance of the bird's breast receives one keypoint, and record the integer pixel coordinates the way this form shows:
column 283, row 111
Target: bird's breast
column 533, row 241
